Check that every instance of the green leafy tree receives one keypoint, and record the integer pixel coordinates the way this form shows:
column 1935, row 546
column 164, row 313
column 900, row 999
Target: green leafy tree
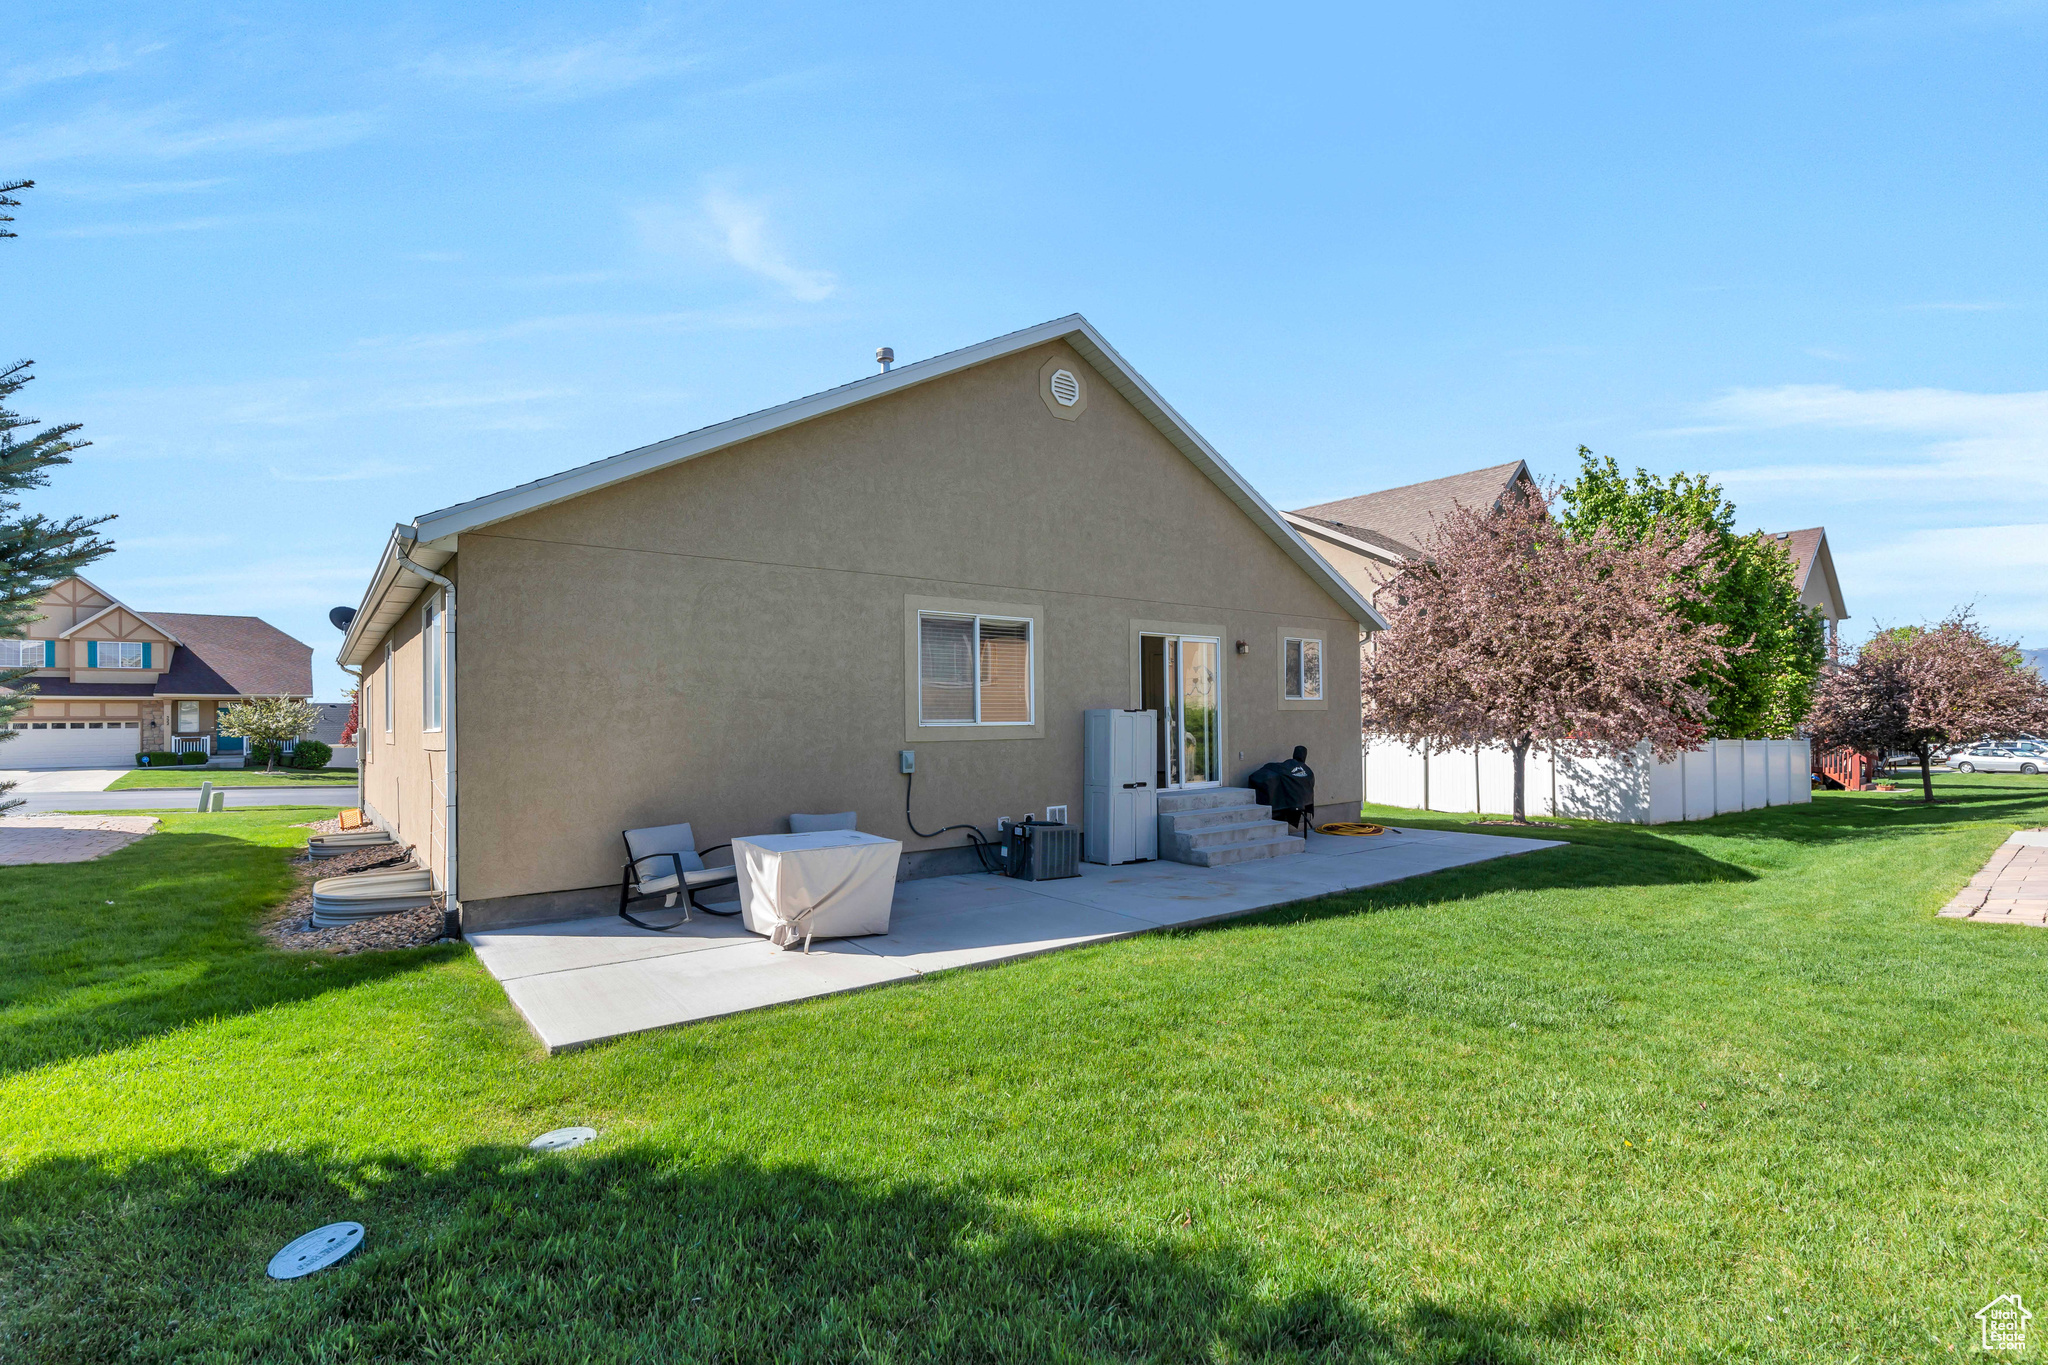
column 1775, row 645
column 270, row 722
column 36, row 551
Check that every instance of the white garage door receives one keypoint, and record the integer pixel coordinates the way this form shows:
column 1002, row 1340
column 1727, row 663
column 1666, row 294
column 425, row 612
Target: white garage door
column 72, row 744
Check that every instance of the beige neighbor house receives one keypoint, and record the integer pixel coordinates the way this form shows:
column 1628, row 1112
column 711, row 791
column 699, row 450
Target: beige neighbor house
column 955, row 557
column 1368, row 538
column 1813, row 570
column 112, row 681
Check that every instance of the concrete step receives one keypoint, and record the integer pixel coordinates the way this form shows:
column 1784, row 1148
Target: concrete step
column 1204, row 798
column 1183, row 822
column 1247, row 852
column 1216, row 836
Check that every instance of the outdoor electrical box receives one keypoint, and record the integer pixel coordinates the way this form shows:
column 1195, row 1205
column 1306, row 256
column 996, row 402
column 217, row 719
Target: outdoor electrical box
column 1119, row 791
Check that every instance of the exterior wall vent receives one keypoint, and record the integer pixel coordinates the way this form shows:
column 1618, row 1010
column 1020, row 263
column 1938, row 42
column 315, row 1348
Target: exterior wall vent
column 1066, row 390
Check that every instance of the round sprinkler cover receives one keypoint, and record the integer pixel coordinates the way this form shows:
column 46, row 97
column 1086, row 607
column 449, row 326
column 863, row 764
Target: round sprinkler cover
column 562, row 1139
column 317, row 1250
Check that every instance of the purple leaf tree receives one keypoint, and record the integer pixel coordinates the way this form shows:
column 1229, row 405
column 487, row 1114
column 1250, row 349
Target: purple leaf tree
column 1507, row 632
column 1921, row 689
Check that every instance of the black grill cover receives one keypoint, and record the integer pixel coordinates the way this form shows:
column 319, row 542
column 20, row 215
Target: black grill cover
column 1287, row 785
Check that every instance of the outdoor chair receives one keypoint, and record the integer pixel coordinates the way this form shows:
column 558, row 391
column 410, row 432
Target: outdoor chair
column 818, row 824
column 664, row 861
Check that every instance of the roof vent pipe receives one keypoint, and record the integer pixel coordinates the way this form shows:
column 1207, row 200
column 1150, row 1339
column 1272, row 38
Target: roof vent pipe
column 885, row 356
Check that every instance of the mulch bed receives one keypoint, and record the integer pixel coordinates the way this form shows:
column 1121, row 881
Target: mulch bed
column 290, row 925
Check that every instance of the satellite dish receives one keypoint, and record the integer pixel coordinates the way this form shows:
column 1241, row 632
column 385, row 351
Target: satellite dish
column 342, row 617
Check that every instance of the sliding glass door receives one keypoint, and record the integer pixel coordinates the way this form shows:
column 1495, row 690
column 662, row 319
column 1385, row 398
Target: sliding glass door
column 1183, row 682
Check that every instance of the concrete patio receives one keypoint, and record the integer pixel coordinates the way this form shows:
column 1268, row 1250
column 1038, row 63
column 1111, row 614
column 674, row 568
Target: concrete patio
column 587, row 980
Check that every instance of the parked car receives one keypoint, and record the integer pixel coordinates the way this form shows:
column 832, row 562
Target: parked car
column 1996, row 758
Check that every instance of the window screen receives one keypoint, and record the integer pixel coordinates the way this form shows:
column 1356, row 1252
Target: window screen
column 1304, row 670
column 973, row 670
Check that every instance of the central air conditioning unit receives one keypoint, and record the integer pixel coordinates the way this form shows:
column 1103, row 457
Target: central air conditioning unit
column 1038, row 852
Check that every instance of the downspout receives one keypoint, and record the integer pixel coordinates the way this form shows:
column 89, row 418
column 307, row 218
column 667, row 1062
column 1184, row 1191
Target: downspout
column 453, row 896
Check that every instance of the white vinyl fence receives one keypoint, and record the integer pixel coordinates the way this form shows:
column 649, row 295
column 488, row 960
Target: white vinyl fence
column 1720, row 776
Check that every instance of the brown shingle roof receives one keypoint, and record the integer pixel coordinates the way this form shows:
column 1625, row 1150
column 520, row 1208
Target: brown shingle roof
column 1405, row 518
column 234, row 656
column 1802, row 546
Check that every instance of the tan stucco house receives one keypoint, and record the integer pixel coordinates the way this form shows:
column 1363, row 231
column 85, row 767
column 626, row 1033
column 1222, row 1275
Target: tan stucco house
column 112, row 681
column 955, row 557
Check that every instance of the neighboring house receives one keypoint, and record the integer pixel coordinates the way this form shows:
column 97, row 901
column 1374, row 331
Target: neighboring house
column 955, row 557
column 333, row 720
column 1813, row 570
column 1368, row 538
column 112, row 681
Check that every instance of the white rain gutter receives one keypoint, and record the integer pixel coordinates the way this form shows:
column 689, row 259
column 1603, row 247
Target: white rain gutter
column 453, row 897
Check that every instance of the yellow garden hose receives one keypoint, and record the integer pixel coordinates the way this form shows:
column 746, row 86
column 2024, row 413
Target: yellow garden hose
column 1350, row 827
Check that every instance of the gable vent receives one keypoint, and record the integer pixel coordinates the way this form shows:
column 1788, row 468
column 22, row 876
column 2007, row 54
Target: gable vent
column 1066, row 390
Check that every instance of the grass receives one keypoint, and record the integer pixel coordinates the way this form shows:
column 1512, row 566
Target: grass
column 233, row 777
column 1705, row 1092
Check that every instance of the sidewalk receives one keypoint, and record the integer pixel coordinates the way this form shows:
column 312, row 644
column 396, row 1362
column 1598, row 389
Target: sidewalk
column 2012, row 888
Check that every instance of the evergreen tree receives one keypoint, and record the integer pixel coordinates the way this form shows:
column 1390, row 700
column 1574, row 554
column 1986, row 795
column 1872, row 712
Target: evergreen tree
column 35, row 551
column 1775, row 645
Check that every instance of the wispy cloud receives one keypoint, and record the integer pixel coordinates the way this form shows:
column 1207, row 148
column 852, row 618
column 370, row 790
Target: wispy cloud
column 152, row 229
column 728, row 227
column 1934, row 411
column 135, row 189
column 596, row 66
column 684, row 320
column 163, row 134
column 1986, row 307
column 112, row 57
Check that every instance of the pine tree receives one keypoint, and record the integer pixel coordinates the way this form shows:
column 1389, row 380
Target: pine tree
column 36, row 551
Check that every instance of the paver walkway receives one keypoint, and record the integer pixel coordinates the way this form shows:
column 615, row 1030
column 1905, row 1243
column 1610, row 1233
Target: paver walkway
column 2012, row 888
column 585, row 980
column 28, row 839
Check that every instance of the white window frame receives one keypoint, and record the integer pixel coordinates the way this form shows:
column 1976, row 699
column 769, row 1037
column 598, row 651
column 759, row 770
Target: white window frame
column 1030, row 671
column 42, row 652
column 178, row 716
column 1287, row 642
column 433, row 665
column 135, row 645
column 384, row 693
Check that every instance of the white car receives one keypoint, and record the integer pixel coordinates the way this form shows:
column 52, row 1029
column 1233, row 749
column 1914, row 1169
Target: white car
column 1994, row 758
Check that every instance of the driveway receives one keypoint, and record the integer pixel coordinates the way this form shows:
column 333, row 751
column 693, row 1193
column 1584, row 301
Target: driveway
column 29, row 780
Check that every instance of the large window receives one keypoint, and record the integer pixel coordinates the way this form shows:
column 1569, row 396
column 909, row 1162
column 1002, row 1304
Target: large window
column 973, row 670
column 433, row 659
column 1303, row 678
column 122, row 654
column 24, row 654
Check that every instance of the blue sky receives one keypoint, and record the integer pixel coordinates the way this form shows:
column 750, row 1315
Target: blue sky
column 305, row 273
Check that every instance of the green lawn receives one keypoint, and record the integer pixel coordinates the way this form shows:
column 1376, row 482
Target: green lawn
column 1724, row 1091
column 234, row 777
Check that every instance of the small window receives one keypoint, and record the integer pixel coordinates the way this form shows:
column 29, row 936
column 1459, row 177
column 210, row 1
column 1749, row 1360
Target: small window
column 21, row 725
column 78, row 725
column 39, row 725
column 188, row 717
column 95, row 725
column 432, row 659
column 1304, row 681
column 22, row 653
column 123, row 654
column 388, row 680
column 973, row 670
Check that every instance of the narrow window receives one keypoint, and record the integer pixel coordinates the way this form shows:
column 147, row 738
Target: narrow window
column 389, row 679
column 973, row 670
column 1304, row 680
column 188, row 717
column 431, row 665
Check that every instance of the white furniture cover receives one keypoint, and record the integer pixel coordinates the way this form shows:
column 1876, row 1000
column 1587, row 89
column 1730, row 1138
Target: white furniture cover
column 830, row 884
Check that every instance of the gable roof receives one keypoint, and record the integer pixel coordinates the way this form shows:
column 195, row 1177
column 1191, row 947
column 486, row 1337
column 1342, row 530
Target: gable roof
column 1403, row 519
column 114, row 606
column 430, row 539
column 234, row 656
column 1820, row 590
